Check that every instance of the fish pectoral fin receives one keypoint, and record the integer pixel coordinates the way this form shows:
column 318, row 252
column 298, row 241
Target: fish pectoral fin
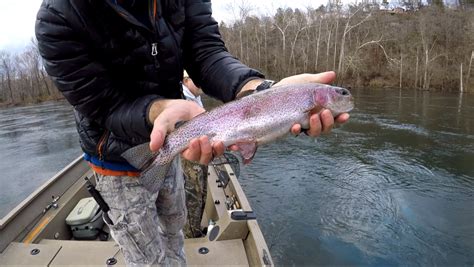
column 139, row 156
column 247, row 149
column 314, row 110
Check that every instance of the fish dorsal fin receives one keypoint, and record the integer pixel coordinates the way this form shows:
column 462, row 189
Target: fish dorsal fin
column 247, row 150
column 252, row 111
column 139, row 156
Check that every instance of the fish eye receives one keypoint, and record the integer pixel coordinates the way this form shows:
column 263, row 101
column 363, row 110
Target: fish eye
column 343, row 91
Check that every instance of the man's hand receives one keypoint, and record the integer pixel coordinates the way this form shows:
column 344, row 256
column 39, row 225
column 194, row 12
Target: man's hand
column 324, row 121
column 165, row 114
column 202, row 151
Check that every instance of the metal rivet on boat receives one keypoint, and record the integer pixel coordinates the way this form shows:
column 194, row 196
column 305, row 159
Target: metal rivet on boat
column 111, row 261
column 35, row 251
column 203, row 250
column 217, row 202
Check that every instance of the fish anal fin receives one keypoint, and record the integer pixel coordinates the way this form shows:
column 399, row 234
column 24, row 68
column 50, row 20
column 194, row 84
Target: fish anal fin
column 247, row 150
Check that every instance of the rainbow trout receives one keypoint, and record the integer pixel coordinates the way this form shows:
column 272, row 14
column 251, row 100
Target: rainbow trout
column 249, row 122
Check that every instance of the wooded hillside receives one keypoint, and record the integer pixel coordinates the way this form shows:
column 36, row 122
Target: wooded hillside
column 428, row 48
column 420, row 47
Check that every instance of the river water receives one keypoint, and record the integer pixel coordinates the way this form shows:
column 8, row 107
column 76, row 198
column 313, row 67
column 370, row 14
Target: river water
column 393, row 186
column 35, row 143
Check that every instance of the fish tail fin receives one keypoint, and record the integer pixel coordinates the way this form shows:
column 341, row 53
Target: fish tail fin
column 152, row 173
column 153, row 177
column 139, row 156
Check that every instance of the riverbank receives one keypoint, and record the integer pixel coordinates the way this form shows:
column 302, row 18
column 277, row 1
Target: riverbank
column 31, row 102
column 214, row 101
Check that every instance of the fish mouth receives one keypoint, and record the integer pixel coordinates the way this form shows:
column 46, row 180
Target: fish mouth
column 342, row 101
column 342, row 108
column 349, row 105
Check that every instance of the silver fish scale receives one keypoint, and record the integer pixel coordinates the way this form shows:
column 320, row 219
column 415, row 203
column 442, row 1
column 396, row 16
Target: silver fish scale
column 261, row 117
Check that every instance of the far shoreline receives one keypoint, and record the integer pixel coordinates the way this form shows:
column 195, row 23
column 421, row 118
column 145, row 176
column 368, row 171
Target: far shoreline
column 6, row 105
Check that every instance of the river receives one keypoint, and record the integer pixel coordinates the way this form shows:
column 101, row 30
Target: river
column 393, row 186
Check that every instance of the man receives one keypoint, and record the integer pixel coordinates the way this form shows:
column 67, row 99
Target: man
column 195, row 174
column 190, row 90
column 119, row 64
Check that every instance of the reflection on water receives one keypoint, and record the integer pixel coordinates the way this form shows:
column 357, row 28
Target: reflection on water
column 35, row 142
column 394, row 186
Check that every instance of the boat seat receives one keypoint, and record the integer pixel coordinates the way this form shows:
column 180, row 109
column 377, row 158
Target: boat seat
column 71, row 252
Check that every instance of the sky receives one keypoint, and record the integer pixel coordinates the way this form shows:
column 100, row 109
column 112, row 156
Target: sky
column 17, row 17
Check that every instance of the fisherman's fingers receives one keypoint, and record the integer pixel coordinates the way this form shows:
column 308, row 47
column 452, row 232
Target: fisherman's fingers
column 324, row 77
column 201, row 150
column 296, row 129
column 233, row 148
column 193, row 152
column 206, row 150
column 342, row 118
column 158, row 134
column 327, row 121
column 218, row 149
column 315, row 126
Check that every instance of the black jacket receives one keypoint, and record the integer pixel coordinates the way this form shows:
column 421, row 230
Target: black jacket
column 110, row 65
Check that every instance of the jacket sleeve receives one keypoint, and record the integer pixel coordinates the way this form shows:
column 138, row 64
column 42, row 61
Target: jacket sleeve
column 206, row 58
column 83, row 81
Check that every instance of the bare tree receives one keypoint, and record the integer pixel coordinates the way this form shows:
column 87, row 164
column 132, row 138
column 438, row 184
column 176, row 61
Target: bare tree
column 346, row 31
column 7, row 69
column 300, row 25
column 282, row 22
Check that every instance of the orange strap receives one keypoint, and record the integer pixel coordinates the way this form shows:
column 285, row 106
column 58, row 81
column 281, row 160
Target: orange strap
column 108, row 172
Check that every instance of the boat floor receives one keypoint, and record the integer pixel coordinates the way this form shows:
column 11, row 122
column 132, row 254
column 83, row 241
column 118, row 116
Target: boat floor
column 36, row 234
column 72, row 252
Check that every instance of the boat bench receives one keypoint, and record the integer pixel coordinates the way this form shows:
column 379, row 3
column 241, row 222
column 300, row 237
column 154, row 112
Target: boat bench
column 66, row 252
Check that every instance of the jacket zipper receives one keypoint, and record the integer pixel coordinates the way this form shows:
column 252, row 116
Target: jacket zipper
column 154, row 53
column 153, row 11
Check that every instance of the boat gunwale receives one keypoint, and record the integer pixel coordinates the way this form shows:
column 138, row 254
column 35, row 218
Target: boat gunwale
column 35, row 194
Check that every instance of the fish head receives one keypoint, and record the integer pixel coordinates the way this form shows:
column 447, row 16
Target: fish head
column 337, row 99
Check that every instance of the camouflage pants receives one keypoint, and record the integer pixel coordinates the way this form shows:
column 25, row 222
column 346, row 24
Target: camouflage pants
column 195, row 185
column 147, row 225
